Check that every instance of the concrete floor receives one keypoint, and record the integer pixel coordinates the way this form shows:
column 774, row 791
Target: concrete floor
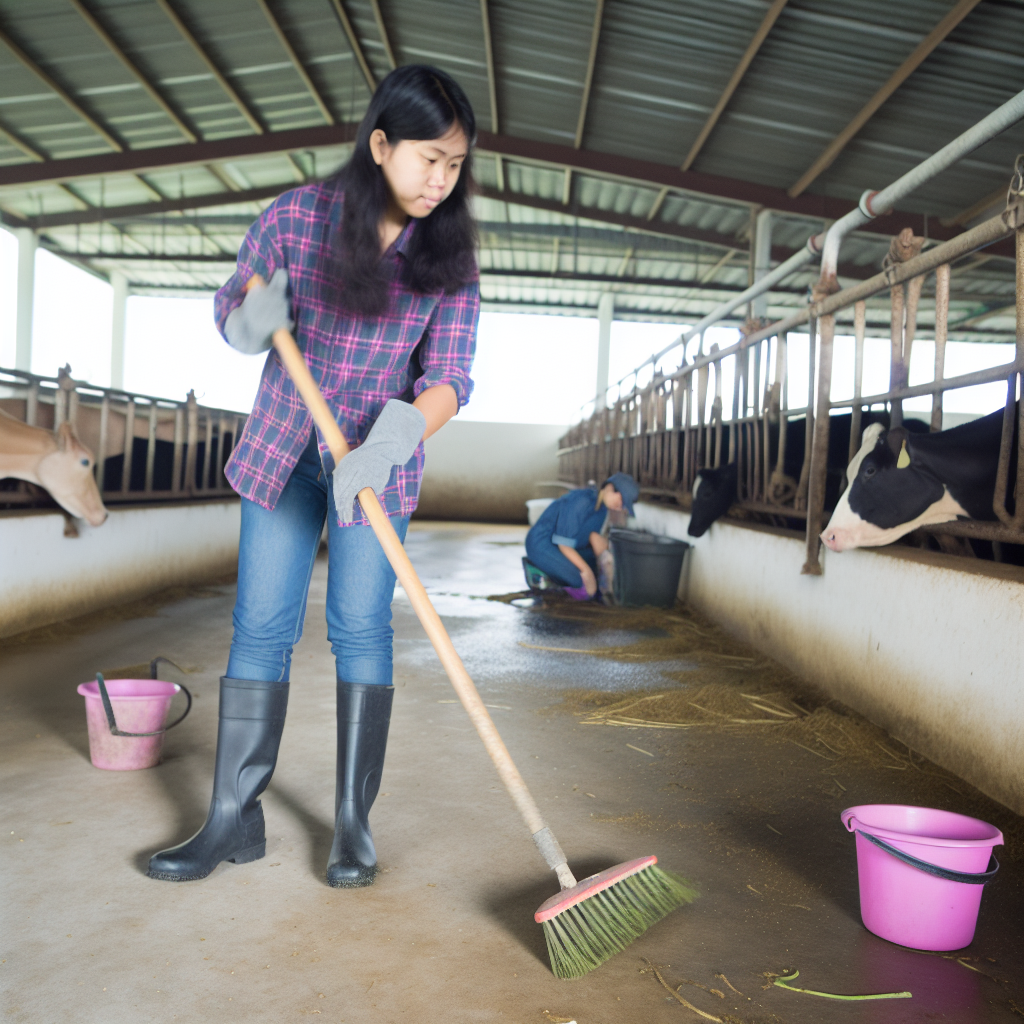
column 446, row 934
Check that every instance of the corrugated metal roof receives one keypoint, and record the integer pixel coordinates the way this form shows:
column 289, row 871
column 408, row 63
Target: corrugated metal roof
column 660, row 68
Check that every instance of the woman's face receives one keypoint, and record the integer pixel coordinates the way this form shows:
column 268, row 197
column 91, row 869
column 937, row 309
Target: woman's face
column 421, row 173
column 612, row 498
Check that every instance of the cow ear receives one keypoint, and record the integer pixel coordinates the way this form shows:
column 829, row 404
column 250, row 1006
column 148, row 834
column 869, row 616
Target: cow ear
column 897, row 440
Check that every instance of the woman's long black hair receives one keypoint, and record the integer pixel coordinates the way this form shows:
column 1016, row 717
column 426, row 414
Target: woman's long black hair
column 414, row 102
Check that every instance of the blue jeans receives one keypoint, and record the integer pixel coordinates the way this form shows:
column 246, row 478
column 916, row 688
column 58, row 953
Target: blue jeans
column 276, row 554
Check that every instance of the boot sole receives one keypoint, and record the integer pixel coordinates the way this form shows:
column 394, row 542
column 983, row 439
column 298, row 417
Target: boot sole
column 358, row 883
column 242, row 857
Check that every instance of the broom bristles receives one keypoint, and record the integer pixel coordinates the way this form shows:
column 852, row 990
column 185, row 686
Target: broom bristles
column 586, row 934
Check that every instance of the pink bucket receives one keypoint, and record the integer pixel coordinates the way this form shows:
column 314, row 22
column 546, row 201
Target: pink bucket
column 118, row 741
column 921, row 872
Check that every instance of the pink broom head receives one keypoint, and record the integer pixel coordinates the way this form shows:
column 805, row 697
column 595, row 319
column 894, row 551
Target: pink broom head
column 591, row 886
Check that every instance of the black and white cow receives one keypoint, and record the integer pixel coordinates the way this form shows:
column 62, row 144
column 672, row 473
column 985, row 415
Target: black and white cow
column 901, row 480
column 714, row 490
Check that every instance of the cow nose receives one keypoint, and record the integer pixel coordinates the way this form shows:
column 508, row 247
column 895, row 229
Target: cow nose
column 831, row 540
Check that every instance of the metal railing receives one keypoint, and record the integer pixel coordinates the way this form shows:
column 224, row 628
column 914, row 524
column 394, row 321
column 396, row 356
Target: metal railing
column 147, row 449
column 671, row 422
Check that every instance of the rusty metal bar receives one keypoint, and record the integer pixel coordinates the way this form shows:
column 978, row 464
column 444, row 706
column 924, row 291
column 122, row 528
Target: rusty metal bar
column 191, row 441
column 32, row 403
column 805, row 469
column 941, row 335
column 207, row 459
column 129, row 445
column 179, row 443
column 99, row 469
column 151, row 447
column 897, row 379
column 856, row 415
column 218, row 469
column 819, row 450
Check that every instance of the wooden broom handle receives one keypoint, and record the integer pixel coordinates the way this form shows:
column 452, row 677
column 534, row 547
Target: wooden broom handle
column 465, row 689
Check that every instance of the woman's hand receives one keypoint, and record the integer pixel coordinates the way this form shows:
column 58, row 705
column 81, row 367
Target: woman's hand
column 392, row 441
column 250, row 327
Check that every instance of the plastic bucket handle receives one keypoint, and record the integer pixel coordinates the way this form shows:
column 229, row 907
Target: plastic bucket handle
column 971, row 878
column 109, row 709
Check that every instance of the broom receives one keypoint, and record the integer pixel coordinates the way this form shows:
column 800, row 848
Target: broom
column 587, row 922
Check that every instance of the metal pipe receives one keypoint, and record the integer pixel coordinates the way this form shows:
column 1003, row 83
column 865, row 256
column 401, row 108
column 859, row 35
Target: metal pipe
column 151, row 448
column 101, row 452
column 129, row 445
column 874, row 203
column 897, row 377
column 179, row 442
column 859, row 328
column 941, row 334
column 819, row 450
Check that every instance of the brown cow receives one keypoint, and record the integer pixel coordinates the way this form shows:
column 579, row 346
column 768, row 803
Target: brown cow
column 56, row 460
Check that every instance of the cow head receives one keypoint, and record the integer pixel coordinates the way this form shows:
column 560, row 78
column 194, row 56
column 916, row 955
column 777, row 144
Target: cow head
column 714, row 491
column 67, row 473
column 889, row 494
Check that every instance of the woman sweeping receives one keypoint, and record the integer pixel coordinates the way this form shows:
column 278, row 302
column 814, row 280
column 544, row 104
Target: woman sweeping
column 374, row 271
column 568, row 539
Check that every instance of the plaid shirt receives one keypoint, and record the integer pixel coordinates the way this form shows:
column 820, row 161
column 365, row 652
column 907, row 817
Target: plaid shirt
column 359, row 362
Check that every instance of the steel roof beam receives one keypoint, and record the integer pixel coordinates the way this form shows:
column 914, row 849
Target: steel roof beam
column 378, row 17
column 737, row 76
column 353, row 42
column 588, row 81
column 254, row 122
column 714, row 187
column 52, row 84
column 492, row 86
column 300, row 68
column 899, row 76
column 20, row 144
column 132, row 69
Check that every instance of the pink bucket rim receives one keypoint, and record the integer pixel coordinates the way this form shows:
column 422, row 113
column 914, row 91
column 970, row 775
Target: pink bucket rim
column 852, row 822
column 160, row 688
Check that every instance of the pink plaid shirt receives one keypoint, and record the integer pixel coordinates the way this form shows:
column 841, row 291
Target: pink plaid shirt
column 360, row 363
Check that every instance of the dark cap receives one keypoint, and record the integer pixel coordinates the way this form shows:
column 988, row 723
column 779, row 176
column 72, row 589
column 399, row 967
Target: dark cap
column 627, row 487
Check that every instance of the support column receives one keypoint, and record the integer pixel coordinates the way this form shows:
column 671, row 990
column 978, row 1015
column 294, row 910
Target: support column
column 117, row 331
column 605, row 311
column 762, row 259
column 27, row 243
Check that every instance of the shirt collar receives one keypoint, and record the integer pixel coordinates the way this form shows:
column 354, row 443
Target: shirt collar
column 402, row 242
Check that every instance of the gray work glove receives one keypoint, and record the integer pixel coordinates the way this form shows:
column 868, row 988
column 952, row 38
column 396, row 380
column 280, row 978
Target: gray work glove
column 250, row 326
column 392, row 441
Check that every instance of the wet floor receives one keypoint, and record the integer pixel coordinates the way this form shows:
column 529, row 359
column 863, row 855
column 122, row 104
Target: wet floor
column 446, row 934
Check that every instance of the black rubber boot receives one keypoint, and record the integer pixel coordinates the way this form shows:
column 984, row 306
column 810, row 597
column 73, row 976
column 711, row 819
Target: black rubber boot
column 248, row 736
column 364, row 714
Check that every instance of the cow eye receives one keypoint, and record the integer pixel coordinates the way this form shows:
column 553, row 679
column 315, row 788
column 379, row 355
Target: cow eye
column 85, row 462
column 869, row 471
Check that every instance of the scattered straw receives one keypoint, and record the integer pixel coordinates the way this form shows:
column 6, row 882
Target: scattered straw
column 722, row 977
column 672, row 992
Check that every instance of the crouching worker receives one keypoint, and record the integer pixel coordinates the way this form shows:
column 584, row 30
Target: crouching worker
column 568, row 539
column 373, row 271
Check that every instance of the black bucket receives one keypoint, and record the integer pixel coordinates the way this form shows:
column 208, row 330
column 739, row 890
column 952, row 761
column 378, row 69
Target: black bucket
column 647, row 568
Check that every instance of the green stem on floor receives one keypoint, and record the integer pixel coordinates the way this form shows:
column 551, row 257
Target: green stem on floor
column 781, row 983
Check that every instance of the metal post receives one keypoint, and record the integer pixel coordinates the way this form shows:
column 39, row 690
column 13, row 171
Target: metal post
column 129, row 445
column 762, row 259
column 819, row 451
column 205, row 476
column 778, row 488
column 191, row 441
column 860, row 310
column 101, row 451
column 896, row 375
column 179, row 442
column 117, row 330
column 941, row 333
column 32, row 403
column 27, row 243
column 218, row 469
column 605, row 311
column 151, row 446
column 805, row 469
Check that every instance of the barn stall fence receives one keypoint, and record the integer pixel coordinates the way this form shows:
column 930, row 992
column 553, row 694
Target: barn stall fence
column 665, row 430
column 147, row 449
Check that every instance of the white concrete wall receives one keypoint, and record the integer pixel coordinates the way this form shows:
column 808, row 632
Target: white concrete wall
column 932, row 652
column 485, row 472
column 46, row 577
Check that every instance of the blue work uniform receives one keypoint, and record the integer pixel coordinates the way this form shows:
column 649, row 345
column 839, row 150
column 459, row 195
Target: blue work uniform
column 569, row 520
